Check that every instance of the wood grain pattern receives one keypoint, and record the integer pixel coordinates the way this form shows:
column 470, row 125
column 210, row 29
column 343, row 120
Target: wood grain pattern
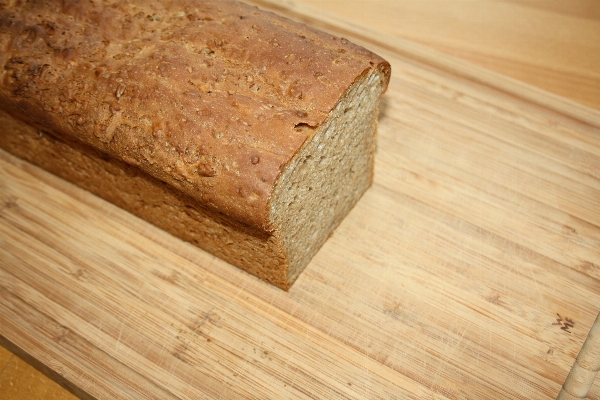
column 469, row 270
column 585, row 369
column 552, row 44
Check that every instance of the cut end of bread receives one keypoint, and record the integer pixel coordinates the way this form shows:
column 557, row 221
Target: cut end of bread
column 328, row 175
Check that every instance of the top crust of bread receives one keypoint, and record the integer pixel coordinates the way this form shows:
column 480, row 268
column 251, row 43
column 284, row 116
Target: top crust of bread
column 207, row 96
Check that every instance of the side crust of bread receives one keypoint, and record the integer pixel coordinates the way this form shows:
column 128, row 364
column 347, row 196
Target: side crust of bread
column 126, row 186
column 245, row 133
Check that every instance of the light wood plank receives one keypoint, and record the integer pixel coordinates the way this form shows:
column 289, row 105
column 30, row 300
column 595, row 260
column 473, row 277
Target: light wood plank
column 586, row 367
column 452, row 278
column 554, row 45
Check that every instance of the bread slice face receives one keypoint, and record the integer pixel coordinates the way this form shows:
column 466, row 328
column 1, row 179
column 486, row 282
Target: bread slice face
column 248, row 122
column 328, row 175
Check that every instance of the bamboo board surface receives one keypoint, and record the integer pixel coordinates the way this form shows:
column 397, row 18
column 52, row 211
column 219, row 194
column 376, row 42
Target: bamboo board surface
column 551, row 44
column 469, row 270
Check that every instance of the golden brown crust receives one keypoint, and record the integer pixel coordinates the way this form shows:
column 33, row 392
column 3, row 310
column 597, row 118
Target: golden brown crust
column 253, row 250
column 203, row 95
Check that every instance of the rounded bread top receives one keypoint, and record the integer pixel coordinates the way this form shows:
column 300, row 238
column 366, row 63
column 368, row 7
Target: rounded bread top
column 211, row 97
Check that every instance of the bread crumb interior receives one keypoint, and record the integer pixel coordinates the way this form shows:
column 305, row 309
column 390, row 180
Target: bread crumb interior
column 322, row 182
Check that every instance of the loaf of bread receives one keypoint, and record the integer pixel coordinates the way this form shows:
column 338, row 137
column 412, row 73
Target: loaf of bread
column 242, row 132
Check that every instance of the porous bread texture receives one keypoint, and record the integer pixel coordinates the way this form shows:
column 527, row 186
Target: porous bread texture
column 328, row 176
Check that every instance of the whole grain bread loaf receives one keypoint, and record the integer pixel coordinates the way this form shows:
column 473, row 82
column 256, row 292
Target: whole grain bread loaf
column 243, row 132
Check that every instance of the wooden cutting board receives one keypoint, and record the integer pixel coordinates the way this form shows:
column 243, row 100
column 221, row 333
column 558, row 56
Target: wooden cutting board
column 470, row 270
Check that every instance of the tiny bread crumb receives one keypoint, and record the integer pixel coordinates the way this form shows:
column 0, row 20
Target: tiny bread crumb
column 233, row 128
